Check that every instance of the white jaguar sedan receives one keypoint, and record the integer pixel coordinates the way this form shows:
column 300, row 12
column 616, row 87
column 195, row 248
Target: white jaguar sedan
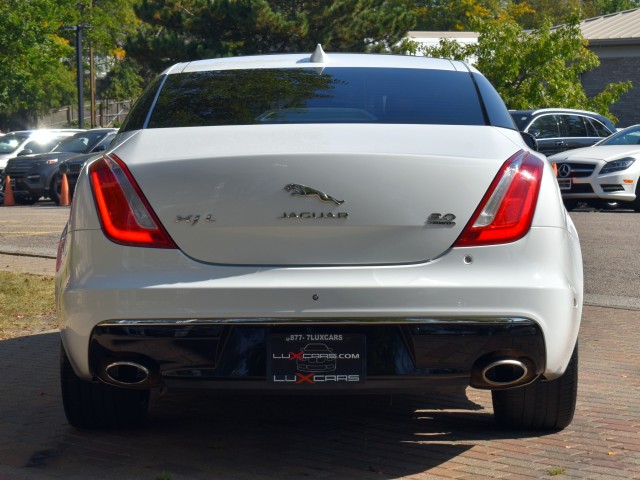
column 382, row 209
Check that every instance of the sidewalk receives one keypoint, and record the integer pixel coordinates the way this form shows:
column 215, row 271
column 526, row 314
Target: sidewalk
column 28, row 264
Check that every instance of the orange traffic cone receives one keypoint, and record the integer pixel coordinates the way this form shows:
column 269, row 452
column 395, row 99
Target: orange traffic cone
column 64, row 192
column 9, row 201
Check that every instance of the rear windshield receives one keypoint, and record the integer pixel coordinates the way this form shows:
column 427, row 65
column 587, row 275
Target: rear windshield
column 309, row 95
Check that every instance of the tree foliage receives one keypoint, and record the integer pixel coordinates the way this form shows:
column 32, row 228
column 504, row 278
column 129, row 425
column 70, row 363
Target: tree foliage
column 559, row 12
column 37, row 60
column 182, row 30
column 134, row 40
column 31, row 74
column 110, row 22
column 535, row 69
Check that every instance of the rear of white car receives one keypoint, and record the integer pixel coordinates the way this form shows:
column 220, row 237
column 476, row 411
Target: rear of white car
column 383, row 209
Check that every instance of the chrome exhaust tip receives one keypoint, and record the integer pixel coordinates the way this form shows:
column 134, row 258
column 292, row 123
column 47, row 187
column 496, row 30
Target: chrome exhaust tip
column 505, row 372
column 127, row 373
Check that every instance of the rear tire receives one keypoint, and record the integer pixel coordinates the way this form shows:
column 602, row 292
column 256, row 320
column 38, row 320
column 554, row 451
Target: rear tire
column 93, row 405
column 55, row 188
column 541, row 405
column 636, row 203
column 607, row 205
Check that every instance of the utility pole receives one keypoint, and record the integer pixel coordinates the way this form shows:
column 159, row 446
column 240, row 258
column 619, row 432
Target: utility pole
column 78, row 29
column 92, row 86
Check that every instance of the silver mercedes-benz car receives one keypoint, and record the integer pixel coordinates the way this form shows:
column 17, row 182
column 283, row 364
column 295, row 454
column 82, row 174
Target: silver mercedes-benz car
column 384, row 207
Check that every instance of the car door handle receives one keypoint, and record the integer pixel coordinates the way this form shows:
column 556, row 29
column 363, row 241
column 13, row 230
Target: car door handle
column 559, row 143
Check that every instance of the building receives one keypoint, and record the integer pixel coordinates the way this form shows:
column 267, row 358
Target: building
column 615, row 38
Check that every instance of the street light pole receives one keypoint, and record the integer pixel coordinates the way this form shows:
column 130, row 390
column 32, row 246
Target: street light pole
column 78, row 29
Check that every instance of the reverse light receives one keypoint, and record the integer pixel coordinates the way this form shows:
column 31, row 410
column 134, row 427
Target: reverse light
column 506, row 211
column 125, row 214
column 617, row 165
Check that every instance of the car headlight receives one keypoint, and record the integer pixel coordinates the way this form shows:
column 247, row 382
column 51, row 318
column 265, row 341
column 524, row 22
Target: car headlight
column 618, row 165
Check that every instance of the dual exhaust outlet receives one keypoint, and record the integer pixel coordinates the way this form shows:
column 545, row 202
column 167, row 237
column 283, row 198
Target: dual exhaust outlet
column 491, row 373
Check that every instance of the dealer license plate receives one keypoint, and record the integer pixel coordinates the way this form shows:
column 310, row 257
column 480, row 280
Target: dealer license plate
column 316, row 359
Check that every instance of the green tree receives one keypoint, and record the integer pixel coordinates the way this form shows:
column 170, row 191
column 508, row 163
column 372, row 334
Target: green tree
column 37, row 60
column 32, row 78
column 111, row 22
column 535, row 69
column 559, row 12
column 181, row 30
column 450, row 15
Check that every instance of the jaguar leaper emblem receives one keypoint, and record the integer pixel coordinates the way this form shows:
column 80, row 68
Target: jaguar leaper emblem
column 304, row 191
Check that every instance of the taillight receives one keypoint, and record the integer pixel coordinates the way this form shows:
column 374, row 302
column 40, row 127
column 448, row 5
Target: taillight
column 125, row 215
column 506, row 211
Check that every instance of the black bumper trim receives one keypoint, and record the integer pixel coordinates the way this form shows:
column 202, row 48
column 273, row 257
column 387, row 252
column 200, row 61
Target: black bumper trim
column 222, row 355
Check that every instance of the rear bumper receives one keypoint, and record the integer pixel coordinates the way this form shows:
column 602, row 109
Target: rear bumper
column 399, row 354
column 537, row 279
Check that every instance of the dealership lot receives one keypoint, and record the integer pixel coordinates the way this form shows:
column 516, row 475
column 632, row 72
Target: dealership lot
column 356, row 437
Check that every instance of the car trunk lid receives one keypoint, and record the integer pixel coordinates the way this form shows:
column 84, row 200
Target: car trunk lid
column 316, row 194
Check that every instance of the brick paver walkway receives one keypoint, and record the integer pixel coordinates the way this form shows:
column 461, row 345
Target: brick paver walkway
column 197, row 435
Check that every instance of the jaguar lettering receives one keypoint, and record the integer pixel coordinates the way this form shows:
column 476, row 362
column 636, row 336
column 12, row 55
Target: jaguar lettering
column 315, row 215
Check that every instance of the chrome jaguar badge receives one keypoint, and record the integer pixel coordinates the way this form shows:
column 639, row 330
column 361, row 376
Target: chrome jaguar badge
column 304, row 191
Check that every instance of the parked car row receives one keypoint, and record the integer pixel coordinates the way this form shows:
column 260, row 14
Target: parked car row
column 27, row 142
column 596, row 166
column 36, row 170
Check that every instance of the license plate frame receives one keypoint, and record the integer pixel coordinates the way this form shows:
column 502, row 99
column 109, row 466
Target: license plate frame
column 315, row 360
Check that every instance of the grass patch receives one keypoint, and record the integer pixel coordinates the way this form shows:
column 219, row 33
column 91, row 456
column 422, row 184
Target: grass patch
column 27, row 304
column 555, row 471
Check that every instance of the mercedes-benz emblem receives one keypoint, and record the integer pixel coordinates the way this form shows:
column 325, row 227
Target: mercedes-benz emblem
column 564, row 170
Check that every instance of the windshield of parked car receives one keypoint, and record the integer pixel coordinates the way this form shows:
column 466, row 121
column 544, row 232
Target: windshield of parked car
column 43, row 143
column 10, row 142
column 628, row 136
column 310, row 95
column 80, row 142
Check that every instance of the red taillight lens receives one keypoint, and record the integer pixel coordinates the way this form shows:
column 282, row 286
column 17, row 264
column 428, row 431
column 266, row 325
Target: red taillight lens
column 506, row 211
column 125, row 215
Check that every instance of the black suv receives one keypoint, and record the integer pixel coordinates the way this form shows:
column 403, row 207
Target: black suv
column 560, row 129
column 35, row 176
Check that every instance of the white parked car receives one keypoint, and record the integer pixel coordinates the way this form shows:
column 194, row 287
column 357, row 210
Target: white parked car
column 384, row 207
column 605, row 174
column 28, row 142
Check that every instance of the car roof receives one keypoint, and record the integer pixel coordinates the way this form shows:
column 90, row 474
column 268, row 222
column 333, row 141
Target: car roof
column 99, row 130
column 320, row 59
column 523, row 117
